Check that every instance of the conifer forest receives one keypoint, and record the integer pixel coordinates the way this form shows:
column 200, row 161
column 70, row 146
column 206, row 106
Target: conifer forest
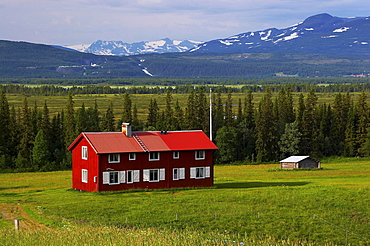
column 266, row 123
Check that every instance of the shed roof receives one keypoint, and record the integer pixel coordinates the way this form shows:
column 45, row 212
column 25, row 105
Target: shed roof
column 118, row 142
column 296, row 159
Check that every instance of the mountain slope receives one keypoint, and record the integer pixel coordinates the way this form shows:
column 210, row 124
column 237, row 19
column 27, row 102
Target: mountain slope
column 321, row 34
column 119, row 48
column 27, row 60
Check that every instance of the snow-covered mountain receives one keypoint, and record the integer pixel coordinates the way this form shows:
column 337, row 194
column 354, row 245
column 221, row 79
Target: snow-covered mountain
column 320, row 33
column 119, row 48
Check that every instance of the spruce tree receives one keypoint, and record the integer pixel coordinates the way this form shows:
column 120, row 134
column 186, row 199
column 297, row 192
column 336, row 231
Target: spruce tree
column 108, row 119
column 69, row 122
column 266, row 140
column 41, row 156
column 152, row 114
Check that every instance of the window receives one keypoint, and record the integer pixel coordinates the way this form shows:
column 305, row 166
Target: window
column 132, row 156
column 114, row 158
column 153, row 156
column 178, row 173
column 130, row 177
column 84, row 176
column 200, row 172
column 113, row 178
column 175, row 174
column 176, row 155
column 84, row 152
column 133, row 176
column 200, row 155
column 154, row 175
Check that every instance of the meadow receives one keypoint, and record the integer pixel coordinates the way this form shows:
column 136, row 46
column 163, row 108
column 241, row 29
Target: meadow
column 249, row 205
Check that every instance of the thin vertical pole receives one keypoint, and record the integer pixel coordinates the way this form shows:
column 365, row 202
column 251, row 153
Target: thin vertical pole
column 210, row 114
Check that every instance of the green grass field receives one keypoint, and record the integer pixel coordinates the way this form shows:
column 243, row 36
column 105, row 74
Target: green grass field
column 250, row 205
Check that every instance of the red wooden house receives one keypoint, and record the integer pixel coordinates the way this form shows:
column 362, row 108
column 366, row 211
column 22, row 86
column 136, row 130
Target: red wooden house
column 112, row 161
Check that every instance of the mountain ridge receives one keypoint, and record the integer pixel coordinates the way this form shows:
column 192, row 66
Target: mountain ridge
column 321, row 33
column 120, row 48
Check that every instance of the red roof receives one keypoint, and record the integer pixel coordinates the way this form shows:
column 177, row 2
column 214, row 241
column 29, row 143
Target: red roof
column 118, row 142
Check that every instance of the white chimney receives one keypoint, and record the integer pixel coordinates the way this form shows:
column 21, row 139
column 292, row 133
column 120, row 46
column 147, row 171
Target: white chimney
column 126, row 129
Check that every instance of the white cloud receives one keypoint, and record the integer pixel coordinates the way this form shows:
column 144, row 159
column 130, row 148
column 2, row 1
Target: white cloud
column 84, row 21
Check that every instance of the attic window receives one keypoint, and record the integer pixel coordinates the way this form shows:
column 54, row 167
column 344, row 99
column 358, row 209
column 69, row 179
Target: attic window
column 84, row 152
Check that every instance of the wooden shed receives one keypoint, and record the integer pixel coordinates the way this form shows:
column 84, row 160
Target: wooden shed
column 299, row 162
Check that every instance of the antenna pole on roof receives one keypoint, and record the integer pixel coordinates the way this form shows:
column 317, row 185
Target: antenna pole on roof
column 210, row 114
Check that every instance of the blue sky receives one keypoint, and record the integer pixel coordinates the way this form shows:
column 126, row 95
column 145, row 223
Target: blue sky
column 70, row 22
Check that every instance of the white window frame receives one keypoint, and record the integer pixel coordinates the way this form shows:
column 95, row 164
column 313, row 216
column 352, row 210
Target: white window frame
column 148, row 177
column 156, row 158
column 195, row 172
column 110, row 177
column 116, row 160
column 121, row 177
column 84, row 152
column 84, row 176
column 153, row 175
column 135, row 176
column 176, row 155
column 200, row 154
column 131, row 156
column 180, row 173
column 129, row 179
column 175, row 174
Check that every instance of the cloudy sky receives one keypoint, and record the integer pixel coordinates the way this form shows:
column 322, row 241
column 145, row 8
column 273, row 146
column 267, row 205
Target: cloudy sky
column 70, row 22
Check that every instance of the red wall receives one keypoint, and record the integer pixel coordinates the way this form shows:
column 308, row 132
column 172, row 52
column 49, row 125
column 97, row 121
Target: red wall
column 186, row 160
column 78, row 164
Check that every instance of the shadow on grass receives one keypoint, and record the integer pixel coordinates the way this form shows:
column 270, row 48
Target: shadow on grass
column 257, row 184
column 13, row 187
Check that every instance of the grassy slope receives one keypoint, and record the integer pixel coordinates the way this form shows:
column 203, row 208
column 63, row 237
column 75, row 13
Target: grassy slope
column 249, row 202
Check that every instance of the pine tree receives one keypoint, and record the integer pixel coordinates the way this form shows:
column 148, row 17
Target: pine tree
column 202, row 111
column 190, row 114
column 24, row 155
column 153, row 114
column 168, row 112
column 266, row 142
column 108, row 119
column 363, row 123
column 229, row 110
column 93, row 116
column 309, row 124
column 227, row 141
column 81, row 120
column 178, row 117
column 290, row 140
column 41, row 155
column 127, row 111
column 69, row 122
column 5, row 132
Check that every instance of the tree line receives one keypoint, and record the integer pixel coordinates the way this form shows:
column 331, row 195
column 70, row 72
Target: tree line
column 274, row 128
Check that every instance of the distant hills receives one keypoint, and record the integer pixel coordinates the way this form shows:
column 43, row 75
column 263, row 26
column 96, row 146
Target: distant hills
column 318, row 34
column 320, row 46
column 119, row 48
